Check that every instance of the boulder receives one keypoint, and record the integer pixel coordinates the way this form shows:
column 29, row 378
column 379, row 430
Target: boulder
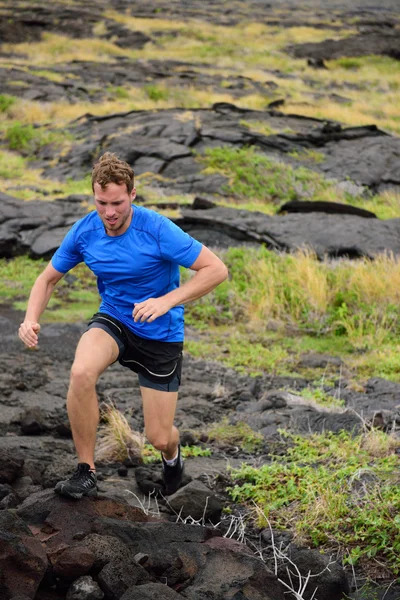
column 23, row 561
column 10, row 466
column 196, row 501
column 150, row 591
column 328, row 579
column 119, row 575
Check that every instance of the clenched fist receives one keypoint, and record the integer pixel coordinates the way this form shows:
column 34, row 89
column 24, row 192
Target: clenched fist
column 150, row 309
column 28, row 333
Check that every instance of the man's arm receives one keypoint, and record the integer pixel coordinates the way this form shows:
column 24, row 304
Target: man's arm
column 210, row 272
column 39, row 297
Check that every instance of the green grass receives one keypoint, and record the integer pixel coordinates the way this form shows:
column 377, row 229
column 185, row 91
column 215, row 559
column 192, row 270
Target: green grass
column 253, row 175
column 72, row 301
column 151, row 455
column 357, row 300
column 6, row 102
column 12, row 166
column 118, row 92
column 316, row 490
column 310, row 156
column 28, row 139
column 240, row 434
column 156, row 92
column 19, row 136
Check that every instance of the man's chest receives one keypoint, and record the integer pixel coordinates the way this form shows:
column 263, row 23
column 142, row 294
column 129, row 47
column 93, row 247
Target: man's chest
column 125, row 258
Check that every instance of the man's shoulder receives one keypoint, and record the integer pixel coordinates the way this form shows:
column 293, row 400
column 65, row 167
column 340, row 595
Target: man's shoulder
column 147, row 220
column 88, row 223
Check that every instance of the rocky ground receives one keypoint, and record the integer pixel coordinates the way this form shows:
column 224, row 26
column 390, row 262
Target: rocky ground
column 128, row 541
column 131, row 542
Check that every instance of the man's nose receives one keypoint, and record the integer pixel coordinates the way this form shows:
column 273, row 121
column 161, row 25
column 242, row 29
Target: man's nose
column 110, row 210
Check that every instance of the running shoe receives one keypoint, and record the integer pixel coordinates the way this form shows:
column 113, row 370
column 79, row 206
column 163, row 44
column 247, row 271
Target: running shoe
column 82, row 483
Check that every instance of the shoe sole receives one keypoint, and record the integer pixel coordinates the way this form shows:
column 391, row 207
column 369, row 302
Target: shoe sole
column 77, row 496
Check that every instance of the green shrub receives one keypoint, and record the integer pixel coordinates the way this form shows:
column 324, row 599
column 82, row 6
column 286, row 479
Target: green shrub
column 20, row 136
column 6, row 102
column 156, row 93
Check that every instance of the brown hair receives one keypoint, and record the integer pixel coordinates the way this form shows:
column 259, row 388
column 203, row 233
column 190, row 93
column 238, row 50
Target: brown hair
column 110, row 169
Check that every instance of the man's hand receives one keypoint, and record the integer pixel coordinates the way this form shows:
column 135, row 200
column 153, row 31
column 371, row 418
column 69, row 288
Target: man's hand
column 28, row 333
column 150, row 309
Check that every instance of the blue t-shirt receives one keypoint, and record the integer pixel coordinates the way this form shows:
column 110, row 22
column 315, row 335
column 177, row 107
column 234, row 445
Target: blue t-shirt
column 139, row 264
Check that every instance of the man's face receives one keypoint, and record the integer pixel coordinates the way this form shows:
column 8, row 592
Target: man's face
column 113, row 205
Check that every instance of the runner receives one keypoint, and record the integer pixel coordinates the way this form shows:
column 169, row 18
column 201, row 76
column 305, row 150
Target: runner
column 135, row 254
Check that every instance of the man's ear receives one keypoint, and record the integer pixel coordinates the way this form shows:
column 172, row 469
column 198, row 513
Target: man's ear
column 133, row 194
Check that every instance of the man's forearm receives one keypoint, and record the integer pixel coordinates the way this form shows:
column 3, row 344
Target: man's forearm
column 38, row 299
column 199, row 285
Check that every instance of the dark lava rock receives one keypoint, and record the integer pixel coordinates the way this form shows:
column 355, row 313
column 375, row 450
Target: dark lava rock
column 298, row 206
column 10, row 466
column 327, row 577
column 117, row 576
column 197, row 501
column 74, row 562
column 384, row 42
column 151, row 591
column 23, row 561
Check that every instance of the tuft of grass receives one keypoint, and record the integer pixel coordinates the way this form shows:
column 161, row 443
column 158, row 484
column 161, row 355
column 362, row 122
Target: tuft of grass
column 20, row 136
column 12, row 166
column 318, row 396
column 239, row 434
column 331, row 489
column 118, row 92
column 259, row 127
column 156, row 92
column 6, row 102
column 28, row 139
column 117, row 441
column 311, row 156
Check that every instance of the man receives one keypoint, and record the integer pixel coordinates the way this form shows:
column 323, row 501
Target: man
column 135, row 254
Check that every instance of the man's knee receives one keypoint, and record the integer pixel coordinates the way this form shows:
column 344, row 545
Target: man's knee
column 83, row 376
column 159, row 440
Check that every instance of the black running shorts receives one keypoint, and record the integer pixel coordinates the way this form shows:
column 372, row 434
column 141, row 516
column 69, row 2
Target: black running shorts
column 158, row 364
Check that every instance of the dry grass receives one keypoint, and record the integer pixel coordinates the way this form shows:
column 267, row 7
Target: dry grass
column 54, row 49
column 377, row 283
column 117, row 441
column 379, row 444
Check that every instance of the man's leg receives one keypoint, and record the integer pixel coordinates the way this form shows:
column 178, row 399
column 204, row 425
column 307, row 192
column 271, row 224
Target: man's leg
column 95, row 352
column 159, row 412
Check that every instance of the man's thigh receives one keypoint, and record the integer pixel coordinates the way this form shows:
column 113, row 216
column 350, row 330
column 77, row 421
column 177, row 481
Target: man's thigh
column 96, row 351
column 158, row 410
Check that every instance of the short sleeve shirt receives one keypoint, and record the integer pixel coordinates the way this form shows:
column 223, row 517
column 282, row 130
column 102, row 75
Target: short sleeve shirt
column 141, row 263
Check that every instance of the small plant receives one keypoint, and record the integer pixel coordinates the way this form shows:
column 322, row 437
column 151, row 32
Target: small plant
column 240, row 434
column 318, row 396
column 117, row 441
column 6, row 102
column 20, row 136
column 118, row 92
column 311, row 156
column 156, row 93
